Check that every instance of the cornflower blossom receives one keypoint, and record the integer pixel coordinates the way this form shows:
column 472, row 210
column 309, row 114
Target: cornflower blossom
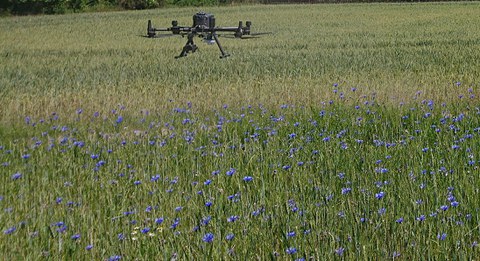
column 10, row 230
column 291, row 250
column 247, row 178
column 208, row 238
column 16, row 176
column 229, row 237
column 339, row 251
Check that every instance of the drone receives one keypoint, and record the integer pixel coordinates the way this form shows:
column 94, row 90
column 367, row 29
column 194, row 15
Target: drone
column 203, row 27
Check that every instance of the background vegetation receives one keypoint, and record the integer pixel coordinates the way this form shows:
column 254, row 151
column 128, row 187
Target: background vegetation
column 352, row 132
column 23, row 7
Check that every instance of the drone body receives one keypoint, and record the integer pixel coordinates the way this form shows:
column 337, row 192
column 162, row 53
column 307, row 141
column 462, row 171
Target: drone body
column 204, row 27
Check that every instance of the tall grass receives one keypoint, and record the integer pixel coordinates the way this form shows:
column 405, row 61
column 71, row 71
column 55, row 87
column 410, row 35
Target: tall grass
column 347, row 181
column 348, row 134
column 97, row 59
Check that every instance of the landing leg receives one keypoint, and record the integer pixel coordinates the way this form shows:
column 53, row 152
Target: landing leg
column 189, row 46
column 224, row 54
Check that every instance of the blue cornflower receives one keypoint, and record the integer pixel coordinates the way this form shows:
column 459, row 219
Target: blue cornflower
column 381, row 211
column 177, row 209
column 454, row 203
column 442, row 236
column 208, row 203
column 159, row 220
column 25, row 156
column 10, row 230
column 114, row 258
column 89, row 247
column 208, row 238
column 207, row 182
column 421, row 218
column 62, row 229
column 231, row 171
column 16, row 176
column 291, row 234
column 119, row 119
column 346, row 190
column 145, row 230
column 229, row 237
column 75, row 237
column 247, row 178
column 137, row 182
column 206, row 220
column 121, row 236
column 291, row 250
column 444, row 207
column 380, row 195
column 339, row 251
column 155, row 178
column 232, row 218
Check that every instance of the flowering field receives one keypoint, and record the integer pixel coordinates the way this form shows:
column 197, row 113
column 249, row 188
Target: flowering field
column 111, row 153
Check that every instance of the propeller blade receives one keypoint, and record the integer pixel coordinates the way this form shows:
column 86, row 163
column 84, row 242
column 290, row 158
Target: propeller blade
column 261, row 33
column 159, row 36
column 245, row 36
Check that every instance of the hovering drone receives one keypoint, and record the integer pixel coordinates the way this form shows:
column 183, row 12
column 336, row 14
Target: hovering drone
column 204, row 27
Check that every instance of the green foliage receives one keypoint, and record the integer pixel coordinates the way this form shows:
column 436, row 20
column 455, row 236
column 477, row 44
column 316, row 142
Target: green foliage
column 140, row 4
column 346, row 119
column 192, row 2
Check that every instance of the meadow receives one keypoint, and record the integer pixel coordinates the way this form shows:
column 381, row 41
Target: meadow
column 351, row 132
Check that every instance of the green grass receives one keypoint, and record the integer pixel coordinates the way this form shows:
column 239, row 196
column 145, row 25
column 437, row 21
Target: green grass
column 348, row 118
column 94, row 60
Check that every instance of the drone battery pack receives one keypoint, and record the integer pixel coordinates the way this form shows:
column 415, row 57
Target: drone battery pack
column 203, row 20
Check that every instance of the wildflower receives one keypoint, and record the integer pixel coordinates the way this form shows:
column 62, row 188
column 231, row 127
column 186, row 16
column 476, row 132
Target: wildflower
column 247, row 178
column 114, row 258
column 208, row 203
column 206, row 220
column 421, row 218
column 442, row 236
column 346, row 191
column 75, row 237
column 145, row 230
column 119, row 119
column 291, row 234
column 339, row 251
column 231, row 171
column 16, row 176
column 232, row 218
column 10, row 230
column 159, row 221
column 291, row 250
column 89, row 247
column 208, row 238
column 380, row 195
column 229, row 237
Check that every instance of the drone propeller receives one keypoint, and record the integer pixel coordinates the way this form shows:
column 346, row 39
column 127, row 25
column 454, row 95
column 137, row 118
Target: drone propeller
column 245, row 36
column 159, row 36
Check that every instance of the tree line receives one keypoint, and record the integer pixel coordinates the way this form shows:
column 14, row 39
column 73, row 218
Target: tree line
column 24, row 7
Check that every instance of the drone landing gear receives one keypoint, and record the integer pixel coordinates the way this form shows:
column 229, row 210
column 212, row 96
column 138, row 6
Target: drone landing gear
column 224, row 54
column 191, row 47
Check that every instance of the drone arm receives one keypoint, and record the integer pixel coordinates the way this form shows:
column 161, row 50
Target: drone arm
column 175, row 29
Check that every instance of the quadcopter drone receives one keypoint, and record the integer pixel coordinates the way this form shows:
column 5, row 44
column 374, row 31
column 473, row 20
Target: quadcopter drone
column 203, row 27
